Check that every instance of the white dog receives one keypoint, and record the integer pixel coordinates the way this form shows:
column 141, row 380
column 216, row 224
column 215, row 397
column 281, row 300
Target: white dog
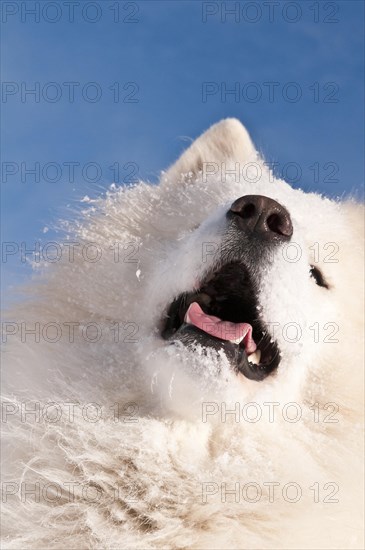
column 189, row 374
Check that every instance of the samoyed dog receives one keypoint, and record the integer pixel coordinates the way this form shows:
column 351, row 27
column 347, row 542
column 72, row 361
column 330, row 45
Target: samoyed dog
column 187, row 371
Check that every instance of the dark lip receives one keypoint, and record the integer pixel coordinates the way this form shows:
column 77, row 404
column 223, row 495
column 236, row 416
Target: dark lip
column 229, row 293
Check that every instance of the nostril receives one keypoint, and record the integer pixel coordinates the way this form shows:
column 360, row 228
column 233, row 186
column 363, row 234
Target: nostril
column 274, row 222
column 279, row 224
column 248, row 211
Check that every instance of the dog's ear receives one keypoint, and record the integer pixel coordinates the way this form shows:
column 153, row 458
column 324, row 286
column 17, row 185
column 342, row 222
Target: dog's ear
column 225, row 142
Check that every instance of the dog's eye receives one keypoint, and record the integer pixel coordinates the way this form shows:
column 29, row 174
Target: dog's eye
column 318, row 277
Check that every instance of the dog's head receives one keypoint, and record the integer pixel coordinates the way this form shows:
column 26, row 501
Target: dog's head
column 264, row 275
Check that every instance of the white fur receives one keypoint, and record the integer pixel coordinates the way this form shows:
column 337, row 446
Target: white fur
column 150, row 473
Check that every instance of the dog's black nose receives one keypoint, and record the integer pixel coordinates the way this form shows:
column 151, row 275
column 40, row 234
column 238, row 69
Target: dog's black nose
column 263, row 216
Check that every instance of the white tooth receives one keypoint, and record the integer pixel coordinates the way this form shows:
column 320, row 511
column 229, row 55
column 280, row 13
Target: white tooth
column 187, row 318
column 255, row 357
column 237, row 340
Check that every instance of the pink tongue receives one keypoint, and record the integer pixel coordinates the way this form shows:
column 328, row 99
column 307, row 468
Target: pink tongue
column 225, row 330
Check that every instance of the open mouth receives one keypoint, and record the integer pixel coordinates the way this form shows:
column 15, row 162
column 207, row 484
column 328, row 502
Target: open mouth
column 224, row 314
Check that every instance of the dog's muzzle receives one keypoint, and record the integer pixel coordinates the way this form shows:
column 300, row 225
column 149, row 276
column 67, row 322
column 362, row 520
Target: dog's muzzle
column 224, row 313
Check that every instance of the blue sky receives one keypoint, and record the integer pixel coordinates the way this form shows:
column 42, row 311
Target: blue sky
column 150, row 62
